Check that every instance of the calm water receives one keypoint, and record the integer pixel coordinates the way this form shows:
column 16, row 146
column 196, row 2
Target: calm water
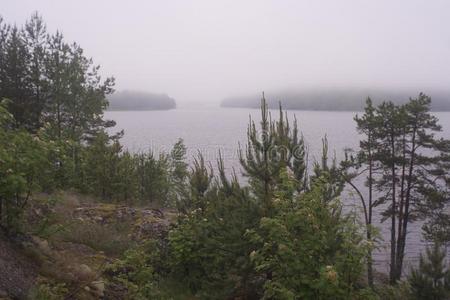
column 212, row 129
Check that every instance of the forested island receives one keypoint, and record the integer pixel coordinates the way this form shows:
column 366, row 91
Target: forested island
column 83, row 218
column 336, row 99
column 138, row 100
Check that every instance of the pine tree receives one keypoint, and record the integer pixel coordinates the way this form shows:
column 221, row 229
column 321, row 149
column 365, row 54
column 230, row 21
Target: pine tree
column 178, row 173
column 332, row 173
column 431, row 280
column 365, row 164
column 35, row 36
column 274, row 147
column 15, row 81
column 411, row 166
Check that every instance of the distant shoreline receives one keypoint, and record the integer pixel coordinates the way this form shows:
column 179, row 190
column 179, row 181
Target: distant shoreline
column 335, row 99
column 150, row 109
column 309, row 109
column 129, row 100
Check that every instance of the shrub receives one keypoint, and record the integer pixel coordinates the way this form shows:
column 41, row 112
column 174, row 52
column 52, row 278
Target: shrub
column 431, row 280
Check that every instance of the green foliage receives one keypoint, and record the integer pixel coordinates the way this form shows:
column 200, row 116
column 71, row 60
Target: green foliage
column 431, row 280
column 208, row 251
column 329, row 174
column 51, row 81
column 101, row 170
column 53, row 134
column 277, row 238
column 48, row 223
column 367, row 125
column 283, row 236
column 105, row 170
column 22, row 161
column 178, row 169
column 139, row 271
column 199, row 182
column 400, row 291
column 153, row 178
column 49, row 291
column 307, row 251
column 437, row 228
column 408, row 166
column 271, row 148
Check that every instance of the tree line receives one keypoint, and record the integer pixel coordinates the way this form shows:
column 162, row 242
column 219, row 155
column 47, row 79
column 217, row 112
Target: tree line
column 134, row 100
column 54, row 135
column 337, row 99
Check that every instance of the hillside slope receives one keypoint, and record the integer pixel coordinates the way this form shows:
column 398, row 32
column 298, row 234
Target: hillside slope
column 67, row 245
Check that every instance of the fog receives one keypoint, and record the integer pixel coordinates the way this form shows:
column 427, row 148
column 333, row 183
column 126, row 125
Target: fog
column 204, row 51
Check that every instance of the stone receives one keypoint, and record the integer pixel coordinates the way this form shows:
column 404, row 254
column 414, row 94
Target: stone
column 84, row 272
column 98, row 288
column 42, row 245
column 98, row 219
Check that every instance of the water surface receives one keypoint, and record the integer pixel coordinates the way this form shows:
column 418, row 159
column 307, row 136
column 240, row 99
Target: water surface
column 212, row 129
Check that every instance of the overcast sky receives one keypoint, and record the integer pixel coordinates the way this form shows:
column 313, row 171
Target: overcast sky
column 206, row 50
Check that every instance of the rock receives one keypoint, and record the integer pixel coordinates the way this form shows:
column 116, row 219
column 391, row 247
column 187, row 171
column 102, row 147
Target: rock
column 98, row 219
column 3, row 294
column 84, row 272
column 115, row 291
column 42, row 245
column 98, row 288
column 154, row 228
column 38, row 211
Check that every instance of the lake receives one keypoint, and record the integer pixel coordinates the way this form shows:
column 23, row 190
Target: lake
column 209, row 130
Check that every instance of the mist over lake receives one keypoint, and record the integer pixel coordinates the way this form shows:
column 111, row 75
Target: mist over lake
column 239, row 150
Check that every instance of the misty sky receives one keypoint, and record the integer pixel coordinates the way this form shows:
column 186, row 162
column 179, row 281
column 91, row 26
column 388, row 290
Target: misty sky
column 207, row 50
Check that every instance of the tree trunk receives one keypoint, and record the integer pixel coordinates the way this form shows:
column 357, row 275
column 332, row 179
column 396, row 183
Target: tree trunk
column 369, row 261
column 402, row 238
column 401, row 206
column 369, row 234
column 392, row 273
column 1, row 211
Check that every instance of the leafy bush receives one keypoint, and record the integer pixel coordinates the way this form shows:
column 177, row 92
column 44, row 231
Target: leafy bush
column 139, row 271
column 49, row 291
column 22, row 159
column 308, row 250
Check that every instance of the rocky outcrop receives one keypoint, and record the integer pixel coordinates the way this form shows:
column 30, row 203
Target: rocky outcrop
column 148, row 223
column 32, row 260
column 18, row 272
